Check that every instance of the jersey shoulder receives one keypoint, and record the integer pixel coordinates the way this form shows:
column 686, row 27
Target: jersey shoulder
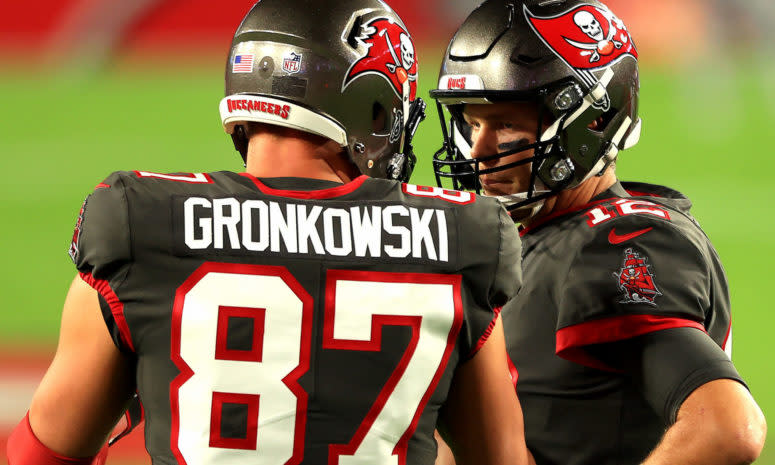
column 146, row 183
column 101, row 235
column 487, row 239
column 475, row 213
column 637, row 257
column 489, row 251
column 640, row 266
column 622, row 220
column 103, row 229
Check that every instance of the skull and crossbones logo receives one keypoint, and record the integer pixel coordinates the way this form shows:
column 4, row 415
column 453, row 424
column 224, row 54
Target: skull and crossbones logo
column 389, row 51
column 603, row 44
column 407, row 51
column 407, row 54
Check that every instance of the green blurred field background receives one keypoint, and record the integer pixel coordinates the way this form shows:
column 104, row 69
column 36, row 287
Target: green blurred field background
column 706, row 135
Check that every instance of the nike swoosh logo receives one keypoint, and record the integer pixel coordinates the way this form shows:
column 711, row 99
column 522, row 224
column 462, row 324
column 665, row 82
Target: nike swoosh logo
column 614, row 238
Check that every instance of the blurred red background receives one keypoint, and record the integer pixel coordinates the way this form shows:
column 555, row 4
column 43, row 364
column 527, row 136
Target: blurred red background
column 47, row 32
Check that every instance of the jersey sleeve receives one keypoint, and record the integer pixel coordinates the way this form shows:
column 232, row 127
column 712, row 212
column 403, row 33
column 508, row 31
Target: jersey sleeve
column 101, row 238
column 507, row 277
column 101, row 251
column 495, row 280
column 668, row 366
column 634, row 277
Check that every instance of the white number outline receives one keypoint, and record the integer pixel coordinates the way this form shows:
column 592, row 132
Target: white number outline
column 190, row 178
column 377, row 413
column 599, row 215
column 458, row 197
column 290, row 380
column 632, row 207
column 378, row 321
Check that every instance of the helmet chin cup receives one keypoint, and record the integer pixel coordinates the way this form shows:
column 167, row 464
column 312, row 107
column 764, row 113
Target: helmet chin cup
column 401, row 165
column 525, row 212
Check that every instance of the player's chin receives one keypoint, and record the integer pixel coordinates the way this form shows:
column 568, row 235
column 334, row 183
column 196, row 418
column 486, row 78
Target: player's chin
column 496, row 192
column 498, row 188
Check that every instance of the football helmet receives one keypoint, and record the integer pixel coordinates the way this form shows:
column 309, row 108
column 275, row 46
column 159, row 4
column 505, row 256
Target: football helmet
column 574, row 58
column 342, row 69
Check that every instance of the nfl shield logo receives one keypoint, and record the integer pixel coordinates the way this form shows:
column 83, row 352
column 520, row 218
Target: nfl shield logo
column 292, row 63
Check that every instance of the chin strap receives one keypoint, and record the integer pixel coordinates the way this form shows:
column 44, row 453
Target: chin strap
column 611, row 150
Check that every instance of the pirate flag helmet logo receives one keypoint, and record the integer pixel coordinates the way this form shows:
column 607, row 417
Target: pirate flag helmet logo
column 586, row 37
column 636, row 280
column 390, row 54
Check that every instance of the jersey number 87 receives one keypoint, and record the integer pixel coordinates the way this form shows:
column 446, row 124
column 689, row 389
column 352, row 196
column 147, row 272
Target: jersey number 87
column 264, row 379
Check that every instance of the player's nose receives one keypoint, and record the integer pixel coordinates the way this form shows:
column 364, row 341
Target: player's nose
column 484, row 143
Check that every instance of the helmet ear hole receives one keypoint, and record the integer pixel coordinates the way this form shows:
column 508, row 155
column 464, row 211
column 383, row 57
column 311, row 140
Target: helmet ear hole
column 379, row 120
column 601, row 122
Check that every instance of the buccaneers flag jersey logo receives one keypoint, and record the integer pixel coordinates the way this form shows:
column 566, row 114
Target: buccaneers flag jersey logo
column 586, row 37
column 635, row 280
column 390, row 54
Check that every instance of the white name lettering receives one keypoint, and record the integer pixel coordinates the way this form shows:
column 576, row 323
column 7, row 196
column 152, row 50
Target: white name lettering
column 394, row 231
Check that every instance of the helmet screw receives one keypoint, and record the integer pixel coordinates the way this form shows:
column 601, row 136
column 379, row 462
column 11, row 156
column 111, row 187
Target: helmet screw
column 567, row 98
column 360, row 148
column 266, row 67
column 563, row 101
column 562, row 170
column 583, row 149
column 371, row 164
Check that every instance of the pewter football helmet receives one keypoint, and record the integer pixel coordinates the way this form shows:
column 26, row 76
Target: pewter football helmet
column 574, row 58
column 342, row 69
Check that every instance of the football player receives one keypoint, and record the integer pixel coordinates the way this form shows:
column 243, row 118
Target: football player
column 621, row 332
column 315, row 308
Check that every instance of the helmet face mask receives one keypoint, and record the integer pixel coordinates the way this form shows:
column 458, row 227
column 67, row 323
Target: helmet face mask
column 345, row 70
column 548, row 53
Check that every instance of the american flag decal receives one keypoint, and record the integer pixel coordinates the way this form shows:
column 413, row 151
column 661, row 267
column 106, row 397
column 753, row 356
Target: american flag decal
column 242, row 64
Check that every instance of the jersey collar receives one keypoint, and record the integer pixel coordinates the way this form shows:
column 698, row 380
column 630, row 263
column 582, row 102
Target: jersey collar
column 615, row 191
column 324, row 193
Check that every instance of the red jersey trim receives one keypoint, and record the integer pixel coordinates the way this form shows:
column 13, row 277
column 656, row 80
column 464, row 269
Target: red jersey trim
column 329, row 193
column 542, row 221
column 726, row 337
column 570, row 341
column 116, row 306
column 486, row 334
column 131, row 423
column 512, row 371
column 642, row 194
